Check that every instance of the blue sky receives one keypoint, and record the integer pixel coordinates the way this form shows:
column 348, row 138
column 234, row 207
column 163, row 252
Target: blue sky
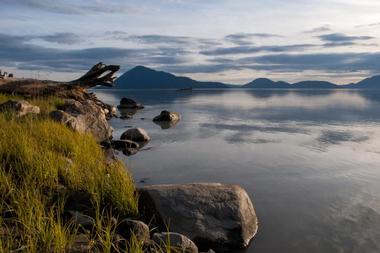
column 233, row 41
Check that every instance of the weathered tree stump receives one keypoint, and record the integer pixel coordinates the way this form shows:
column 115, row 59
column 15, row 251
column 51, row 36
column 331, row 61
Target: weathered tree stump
column 99, row 74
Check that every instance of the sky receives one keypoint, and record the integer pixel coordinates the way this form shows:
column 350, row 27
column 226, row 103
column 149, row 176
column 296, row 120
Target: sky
column 233, row 41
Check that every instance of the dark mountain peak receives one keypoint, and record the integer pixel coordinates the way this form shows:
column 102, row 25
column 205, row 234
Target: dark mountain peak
column 144, row 70
column 141, row 77
column 369, row 83
column 265, row 83
column 315, row 85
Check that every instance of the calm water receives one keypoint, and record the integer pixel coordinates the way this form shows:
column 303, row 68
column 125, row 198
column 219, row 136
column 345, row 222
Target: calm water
column 310, row 160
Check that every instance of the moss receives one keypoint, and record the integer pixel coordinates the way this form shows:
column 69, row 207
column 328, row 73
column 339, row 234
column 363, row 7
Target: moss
column 38, row 158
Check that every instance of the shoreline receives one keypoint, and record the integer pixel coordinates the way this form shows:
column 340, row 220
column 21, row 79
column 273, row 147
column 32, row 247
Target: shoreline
column 76, row 108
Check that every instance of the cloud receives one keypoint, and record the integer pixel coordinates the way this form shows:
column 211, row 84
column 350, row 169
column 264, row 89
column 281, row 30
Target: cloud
column 330, row 137
column 61, row 38
column 320, row 29
column 255, row 49
column 319, row 61
column 246, row 38
column 64, row 7
column 329, row 63
column 17, row 51
column 161, row 39
column 339, row 39
column 243, row 128
column 368, row 25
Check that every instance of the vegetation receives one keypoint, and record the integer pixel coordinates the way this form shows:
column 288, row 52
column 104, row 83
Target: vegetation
column 44, row 169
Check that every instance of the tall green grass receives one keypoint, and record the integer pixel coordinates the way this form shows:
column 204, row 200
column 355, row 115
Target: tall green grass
column 41, row 163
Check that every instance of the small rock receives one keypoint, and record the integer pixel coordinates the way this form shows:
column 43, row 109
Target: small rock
column 81, row 219
column 64, row 118
column 130, row 104
column 136, row 135
column 167, row 119
column 81, row 244
column 168, row 116
column 20, row 107
column 79, row 201
column 127, row 113
column 124, row 144
column 127, row 227
column 178, row 243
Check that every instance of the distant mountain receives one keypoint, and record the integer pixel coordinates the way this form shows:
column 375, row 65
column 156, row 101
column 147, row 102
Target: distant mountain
column 265, row 83
column 368, row 83
column 141, row 77
column 145, row 78
column 314, row 85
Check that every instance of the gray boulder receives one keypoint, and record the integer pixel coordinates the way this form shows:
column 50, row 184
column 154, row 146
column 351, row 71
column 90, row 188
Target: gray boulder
column 178, row 243
column 20, row 107
column 136, row 135
column 85, row 117
column 210, row 214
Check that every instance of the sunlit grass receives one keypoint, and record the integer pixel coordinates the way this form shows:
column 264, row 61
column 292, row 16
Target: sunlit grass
column 43, row 162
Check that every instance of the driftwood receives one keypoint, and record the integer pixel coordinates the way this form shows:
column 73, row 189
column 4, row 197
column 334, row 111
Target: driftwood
column 99, row 74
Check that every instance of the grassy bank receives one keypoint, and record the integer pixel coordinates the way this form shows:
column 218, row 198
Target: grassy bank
column 45, row 170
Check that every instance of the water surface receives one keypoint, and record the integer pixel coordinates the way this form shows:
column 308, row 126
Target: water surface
column 310, row 160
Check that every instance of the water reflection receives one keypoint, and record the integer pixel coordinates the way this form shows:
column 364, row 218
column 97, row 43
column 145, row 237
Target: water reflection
column 309, row 159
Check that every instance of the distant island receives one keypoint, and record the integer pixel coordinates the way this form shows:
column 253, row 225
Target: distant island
column 141, row 77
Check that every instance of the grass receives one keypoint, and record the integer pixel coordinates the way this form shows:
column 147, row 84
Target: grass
column 42, row 164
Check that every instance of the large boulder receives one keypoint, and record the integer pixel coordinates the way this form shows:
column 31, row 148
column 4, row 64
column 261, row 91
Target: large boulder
column 212, row 215
column 127, row 103
column 85, row 117
column 20, row 107
column 136, row 134
column 178, row 243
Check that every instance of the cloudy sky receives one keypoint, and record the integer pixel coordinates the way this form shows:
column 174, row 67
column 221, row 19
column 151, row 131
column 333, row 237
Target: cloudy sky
column 233, row 41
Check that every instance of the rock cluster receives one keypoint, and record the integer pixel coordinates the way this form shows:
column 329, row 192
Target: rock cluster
column 85, row 117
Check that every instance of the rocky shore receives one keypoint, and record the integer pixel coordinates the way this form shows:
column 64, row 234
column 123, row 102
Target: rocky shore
column 203, row 217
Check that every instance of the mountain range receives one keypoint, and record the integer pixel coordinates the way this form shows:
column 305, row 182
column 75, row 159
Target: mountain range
column 141, row 77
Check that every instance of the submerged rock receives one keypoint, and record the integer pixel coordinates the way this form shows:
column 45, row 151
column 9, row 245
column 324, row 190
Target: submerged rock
column 127, row 103
column 136, row 134
column 178, row 243
column 212, row 215
column 20, row 107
